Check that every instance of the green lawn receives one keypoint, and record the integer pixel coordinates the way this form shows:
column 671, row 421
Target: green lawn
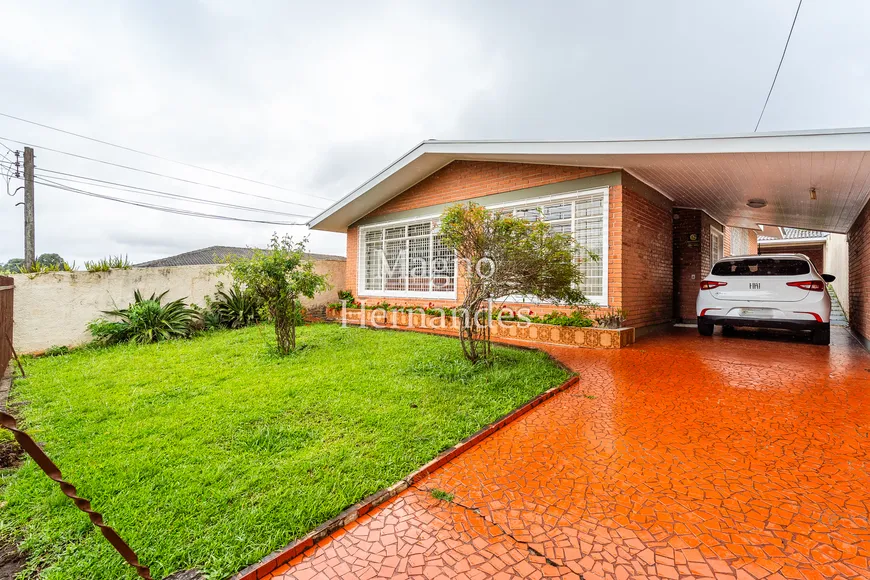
column 210, row 453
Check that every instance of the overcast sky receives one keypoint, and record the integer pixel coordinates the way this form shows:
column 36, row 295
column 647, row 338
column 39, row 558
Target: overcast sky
column 318, row 97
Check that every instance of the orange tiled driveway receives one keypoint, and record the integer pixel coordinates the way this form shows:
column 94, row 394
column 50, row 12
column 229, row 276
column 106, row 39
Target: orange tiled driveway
column 681, row 457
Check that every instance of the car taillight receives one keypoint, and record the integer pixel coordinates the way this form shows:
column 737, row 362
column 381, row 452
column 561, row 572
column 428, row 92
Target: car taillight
column 811, row 285
column 711, row 284
column 814, row 315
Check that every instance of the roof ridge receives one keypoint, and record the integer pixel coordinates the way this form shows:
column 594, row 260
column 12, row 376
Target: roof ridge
column 208, row 254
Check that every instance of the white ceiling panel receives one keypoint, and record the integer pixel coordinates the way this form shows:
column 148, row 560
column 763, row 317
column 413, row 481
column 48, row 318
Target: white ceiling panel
column 719, row 175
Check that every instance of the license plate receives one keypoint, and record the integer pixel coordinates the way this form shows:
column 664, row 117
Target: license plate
column 757, row 312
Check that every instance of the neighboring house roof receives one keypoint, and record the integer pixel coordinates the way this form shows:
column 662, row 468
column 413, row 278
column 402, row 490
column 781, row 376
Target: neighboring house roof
column 794, row 235
column 215, row 255
column 717, row 174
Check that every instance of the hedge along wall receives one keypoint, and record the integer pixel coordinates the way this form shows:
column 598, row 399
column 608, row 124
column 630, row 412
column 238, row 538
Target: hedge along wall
column 53, row 309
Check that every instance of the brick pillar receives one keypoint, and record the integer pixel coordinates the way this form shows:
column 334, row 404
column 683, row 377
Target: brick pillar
column 859, row 275
column 688, row 240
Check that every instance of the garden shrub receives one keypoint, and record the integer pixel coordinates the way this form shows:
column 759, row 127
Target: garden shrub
column 280, row 277
column 109, row 263
column 57, row 350
column 612, row 318
column 146, row 320
column 345, row 298
column 233, row 308
column 506, row 255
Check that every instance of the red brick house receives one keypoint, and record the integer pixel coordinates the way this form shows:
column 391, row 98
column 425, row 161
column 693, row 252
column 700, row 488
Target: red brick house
column 658, row 212
column 797, row 241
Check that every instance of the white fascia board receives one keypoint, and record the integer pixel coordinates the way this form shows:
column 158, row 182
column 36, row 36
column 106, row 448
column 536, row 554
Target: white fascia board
column 793, row 241
column 572, row 153
column 770, row 231
column 831, row 140
column 391, row 169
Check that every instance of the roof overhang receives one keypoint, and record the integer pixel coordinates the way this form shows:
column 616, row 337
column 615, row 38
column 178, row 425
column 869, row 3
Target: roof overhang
column 716, row 174
column 794, row 242
column 772, row 232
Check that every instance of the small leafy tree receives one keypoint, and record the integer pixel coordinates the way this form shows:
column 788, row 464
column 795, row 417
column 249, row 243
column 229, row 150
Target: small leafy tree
column 280, row 276
column 51, row 260
column 14, row 265
column 501, row 255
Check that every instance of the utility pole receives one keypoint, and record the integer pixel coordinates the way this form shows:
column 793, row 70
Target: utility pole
column 29, row 215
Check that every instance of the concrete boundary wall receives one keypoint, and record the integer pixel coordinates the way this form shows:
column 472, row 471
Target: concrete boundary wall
column 53, row 309
column 837, row 263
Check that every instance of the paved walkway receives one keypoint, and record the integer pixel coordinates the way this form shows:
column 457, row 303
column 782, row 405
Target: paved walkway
column 838, row 316
column 680, row 457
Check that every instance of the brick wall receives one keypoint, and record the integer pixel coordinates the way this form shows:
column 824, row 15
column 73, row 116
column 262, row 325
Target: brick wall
column 639, row 265
column 752, row 239
column 463, row 180
column 646, row 260
column 726, row 245
column 687, row 261
column 614, row 266
column 693, row 257
column 859, row 274
column 753, row 242
column 707, row 226
column 816, row 253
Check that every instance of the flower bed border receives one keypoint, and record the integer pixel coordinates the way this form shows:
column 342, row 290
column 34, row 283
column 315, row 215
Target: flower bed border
column 534, row 332
column 273, row 561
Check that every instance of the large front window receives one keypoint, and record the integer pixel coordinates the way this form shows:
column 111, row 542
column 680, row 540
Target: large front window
column 584, row 218
column 407, row 260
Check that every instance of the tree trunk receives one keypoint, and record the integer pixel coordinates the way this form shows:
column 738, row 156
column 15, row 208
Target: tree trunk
column 282, row 330
column 293, row 325
column 473, row 335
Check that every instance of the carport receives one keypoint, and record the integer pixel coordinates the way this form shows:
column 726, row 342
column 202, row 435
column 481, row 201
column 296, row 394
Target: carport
column 672, row 206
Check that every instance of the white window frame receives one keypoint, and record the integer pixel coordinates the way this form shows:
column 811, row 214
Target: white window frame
column 605, row 233
column 532, row 201
column 361, row 266
column 740, row 235
column 716, row 235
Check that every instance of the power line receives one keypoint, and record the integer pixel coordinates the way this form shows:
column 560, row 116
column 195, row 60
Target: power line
column 165, row 209
column 155, row 156
column 54, row 172
column 779, row 66
column 183, row 180
column 167, row 194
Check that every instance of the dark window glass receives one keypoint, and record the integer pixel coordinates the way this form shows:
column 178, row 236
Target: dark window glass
column 761, row 267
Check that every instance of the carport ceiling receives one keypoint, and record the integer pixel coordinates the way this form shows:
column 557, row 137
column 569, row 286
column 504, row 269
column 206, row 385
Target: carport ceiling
column 716, row 174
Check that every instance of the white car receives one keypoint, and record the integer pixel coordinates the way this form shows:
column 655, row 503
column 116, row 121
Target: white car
column 766, row 291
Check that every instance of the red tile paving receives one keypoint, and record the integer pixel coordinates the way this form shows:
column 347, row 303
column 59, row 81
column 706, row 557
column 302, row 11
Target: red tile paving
column 681, row 457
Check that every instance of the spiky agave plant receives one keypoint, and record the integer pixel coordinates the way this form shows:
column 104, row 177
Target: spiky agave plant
column 236, row 307
column 110, row 263
column 146, row 320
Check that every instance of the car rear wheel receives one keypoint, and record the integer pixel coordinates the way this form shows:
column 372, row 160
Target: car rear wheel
column 705, row 328
column 822, row 335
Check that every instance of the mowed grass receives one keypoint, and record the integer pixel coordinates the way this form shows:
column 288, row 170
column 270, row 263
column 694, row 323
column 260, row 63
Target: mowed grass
column 211, row 453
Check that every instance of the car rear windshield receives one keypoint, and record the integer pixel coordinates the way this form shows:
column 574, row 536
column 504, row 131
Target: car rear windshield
column 761, row 267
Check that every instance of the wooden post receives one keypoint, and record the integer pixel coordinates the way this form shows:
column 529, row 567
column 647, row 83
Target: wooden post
column 29, row 214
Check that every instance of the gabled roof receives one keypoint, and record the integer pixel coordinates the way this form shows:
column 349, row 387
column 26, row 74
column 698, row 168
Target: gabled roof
column 716, row 174
column 215, row 255
column 794, row 235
